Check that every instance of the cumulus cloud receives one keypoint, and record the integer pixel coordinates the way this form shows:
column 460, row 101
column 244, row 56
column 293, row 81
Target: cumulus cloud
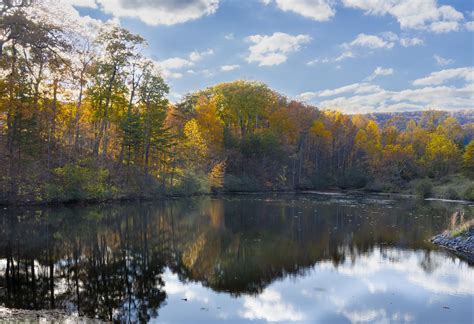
column 413, row 14
column 319, row 10
column 364, row 42
column 442, row 61
column 355, row 88
column 440, row 77
column 380, row 71
column 407, row 42
column 197, row 56
column 229, row 36
column 227, row 68
column 367, row 97
column 442, row 97
column 469, row 25
column 163, row 12
column 369, row 41
column 274, row 49
column 170, row 67
column 80, row 3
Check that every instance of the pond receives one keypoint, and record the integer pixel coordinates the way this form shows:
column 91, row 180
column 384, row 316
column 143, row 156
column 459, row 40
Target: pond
column 282, row 257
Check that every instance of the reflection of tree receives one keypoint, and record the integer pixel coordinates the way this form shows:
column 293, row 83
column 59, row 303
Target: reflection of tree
column 107, row 262
column 104, row 267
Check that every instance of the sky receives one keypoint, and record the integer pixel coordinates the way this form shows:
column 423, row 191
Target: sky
column 352, row 55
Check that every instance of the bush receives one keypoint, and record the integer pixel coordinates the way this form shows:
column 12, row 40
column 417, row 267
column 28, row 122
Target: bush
column 321, row 182
column 74, row 182
column 450, row 193
column 469, row 194
column 193, row 183
column 353, row 180
column 424, row 189
column 241, row 183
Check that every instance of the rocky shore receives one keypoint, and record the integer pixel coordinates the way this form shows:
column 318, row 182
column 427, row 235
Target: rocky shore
column 459, row 242
column 8, row 315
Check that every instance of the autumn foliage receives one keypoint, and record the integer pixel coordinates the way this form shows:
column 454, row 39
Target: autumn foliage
column 88, row 118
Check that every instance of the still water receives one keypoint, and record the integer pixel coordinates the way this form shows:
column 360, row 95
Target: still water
column 307, row 257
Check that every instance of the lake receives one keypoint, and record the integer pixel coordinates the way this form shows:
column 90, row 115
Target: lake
column 263, row 257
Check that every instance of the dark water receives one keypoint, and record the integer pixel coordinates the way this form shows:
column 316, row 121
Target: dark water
column 281, row 258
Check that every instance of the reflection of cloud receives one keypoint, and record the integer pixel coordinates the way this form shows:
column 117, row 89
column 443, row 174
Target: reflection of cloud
column 445, row 278
column 174, row 287
column 382, row 286
column 370, row 315
column 270, row 307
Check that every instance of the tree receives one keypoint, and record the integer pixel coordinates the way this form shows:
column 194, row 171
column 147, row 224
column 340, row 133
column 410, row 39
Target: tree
column 242, row 105
column 120, row 46
column 442, row 156
column 468, row 158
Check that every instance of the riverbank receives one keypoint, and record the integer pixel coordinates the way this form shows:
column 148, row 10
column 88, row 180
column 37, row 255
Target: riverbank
column 459, row 240
column 148, row 197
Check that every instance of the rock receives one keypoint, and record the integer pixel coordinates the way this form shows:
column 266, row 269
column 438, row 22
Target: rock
column 462, row 244
column 8, row 315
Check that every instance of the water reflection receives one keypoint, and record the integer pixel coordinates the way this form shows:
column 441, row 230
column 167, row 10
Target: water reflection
column 266, row 258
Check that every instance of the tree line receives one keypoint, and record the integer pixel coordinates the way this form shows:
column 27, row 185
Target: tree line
column 85, row 115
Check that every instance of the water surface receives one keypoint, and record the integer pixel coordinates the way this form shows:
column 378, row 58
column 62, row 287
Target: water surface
column 309, row 258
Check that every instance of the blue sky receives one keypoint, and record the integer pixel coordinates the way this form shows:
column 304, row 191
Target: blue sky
column 353, row 55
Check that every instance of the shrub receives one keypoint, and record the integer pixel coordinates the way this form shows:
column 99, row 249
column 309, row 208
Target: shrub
column 241, row 183
column 353, row 180
column 75, row 182
column 450, row 193
column 193, row 183
column 424, row 189
column 321, row 182
column 469, row 194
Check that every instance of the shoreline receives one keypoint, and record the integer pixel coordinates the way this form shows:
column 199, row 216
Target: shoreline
column 16, row 315
column 138, row 198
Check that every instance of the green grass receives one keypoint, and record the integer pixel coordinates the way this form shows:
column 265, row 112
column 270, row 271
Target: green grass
column 461, row 229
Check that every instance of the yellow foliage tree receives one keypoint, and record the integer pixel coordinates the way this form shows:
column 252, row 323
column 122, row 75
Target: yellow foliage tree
column 210, row 125
column 468, row 157
column 442, row 156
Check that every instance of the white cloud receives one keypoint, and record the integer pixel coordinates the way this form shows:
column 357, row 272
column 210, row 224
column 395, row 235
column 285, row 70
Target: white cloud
column 469, row 25
column 413, row 14
column 274, row 49
column 406, row 41
column 444, row 26
column 362, row 42
column 442, row 97
column 229, row 67
column 355, row 88
column 175, row 63
column 366, row 97
column 170, row 66
column 319, row 10
column 344, row 55
column 369, row 41
column 440, row 77
column 442, row 61
column 380, row 71
column 80, row 3
column 164, row 12
column 229, row 36
column 196, row 56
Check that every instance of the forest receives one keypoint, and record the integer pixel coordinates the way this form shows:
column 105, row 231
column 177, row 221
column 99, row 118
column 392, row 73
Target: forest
column 85, row 115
